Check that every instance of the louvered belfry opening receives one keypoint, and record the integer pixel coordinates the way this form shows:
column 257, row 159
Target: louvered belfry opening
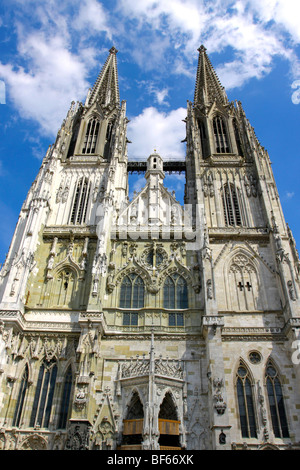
column 80, row 205
column 91, row 136
column 220, row 133
column 232, row 213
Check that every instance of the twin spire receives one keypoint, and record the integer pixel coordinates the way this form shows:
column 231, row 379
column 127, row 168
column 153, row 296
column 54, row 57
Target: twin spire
column 208, row 88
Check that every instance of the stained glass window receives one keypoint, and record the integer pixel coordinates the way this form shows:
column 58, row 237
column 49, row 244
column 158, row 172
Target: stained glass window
column 175, row 292
column 21, row 398
column 276, row 402
column 64, row 408
column 132, row 292
column 41, row 410
column 132, row 296
column 245, row 402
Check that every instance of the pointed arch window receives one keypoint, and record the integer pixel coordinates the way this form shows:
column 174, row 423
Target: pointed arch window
column 175, row 297
column 65, row 403
column 91, row 136
column 232, row 206
column 42, row 404
column 245, row 402
column 21, row 398
column 220, row 134
column 237, row 137
column 73, row 141
column 132, row 292
column 276, row 402
column 133, row 424
column 135, row 408
column 175, row 292
column 80, row 204
column 168, row 423
column 203, row 138
column 132, row 296
column 169, row 293
column 108, row 137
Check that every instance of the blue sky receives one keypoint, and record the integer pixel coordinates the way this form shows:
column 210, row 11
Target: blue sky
column 51, row 53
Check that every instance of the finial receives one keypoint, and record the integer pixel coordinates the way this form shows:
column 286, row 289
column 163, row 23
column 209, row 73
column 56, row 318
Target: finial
column 201, row 48
column 113, row 50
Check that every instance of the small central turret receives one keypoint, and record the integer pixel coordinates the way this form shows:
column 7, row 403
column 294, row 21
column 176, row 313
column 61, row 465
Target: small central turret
column 154, row 176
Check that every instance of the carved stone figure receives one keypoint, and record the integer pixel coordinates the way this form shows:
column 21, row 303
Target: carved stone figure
column 209, row 289
column 291, row 290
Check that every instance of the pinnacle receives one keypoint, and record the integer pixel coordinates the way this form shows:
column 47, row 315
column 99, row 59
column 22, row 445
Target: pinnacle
column 113, row 50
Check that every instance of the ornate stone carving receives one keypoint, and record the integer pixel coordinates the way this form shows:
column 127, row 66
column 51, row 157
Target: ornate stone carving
column 208, row 185
column 263, row 412
column 250, row 185
column 35, row 442
column 78, row 436
column 141, row 366
column 110, row 284
column 219, row 402
column 209, row 290
column 291, row 290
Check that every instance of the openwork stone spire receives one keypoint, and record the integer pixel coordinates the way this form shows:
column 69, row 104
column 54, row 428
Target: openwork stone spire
column 106, row 87
column 208, row 87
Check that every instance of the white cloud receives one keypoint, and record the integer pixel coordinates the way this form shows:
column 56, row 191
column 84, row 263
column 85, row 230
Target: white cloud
column 161, row 36
column 296, row 93
column 136, row 184
column 2, row 92
column 285, row 13
column 92, row 16
column 255, row 30
column 56, row 77
column 185, row 17
column 153, row 130
column 160, row 94
column 57, row 62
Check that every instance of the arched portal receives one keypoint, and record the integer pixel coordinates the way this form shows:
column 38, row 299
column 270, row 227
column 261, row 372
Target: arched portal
column 133, row 424
column 168, row 424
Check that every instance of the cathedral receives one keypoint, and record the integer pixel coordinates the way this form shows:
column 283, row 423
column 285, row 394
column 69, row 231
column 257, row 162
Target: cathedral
column 151, row 324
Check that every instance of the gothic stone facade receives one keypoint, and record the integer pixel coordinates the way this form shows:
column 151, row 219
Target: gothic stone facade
column 150, row 324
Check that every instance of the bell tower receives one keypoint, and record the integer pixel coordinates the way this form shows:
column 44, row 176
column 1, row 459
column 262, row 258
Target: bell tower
column 249, row 263
column 58, row 256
